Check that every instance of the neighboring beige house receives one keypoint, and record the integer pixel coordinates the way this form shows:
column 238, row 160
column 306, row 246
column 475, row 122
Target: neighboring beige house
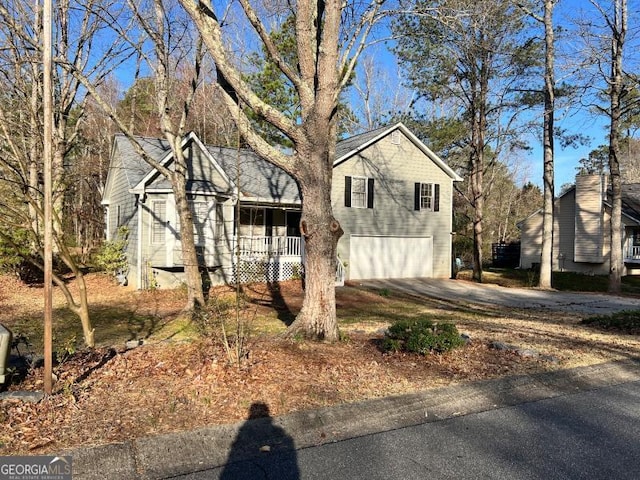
column 391, row 195
column 582, row 238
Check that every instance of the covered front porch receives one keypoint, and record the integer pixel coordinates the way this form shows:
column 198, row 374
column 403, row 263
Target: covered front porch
column 267, row 245
column 631, row 248
column 267, row 232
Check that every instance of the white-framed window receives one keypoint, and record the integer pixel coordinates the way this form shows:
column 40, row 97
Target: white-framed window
column 158, row 221
column 219, row 232
column 427, row 197
column 200, row 215
column 358, row 192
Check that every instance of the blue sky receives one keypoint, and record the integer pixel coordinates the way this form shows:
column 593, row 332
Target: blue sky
column 567, row 159
column 575, row 118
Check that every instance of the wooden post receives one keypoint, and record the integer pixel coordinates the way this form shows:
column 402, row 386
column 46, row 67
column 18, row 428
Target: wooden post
column 47, row 97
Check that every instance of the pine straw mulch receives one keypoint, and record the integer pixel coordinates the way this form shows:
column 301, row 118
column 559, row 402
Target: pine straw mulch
column 111, row 394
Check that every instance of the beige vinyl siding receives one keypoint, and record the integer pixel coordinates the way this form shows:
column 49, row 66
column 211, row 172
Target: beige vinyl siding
column 563, row 240
column 588, row 219
column 531, row 240
column 395, row 169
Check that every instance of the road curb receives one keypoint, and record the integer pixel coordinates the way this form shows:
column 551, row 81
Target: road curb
column 167, row 455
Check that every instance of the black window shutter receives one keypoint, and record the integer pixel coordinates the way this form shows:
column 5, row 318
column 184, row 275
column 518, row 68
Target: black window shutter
column 370, row 193
column 416, row 197
column 436, row 197
column 347, row 191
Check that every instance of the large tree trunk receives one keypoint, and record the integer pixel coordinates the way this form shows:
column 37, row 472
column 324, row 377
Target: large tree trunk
column 546, row 259
column 478, row 134
column 321, row 231
column 318, row 76
column 478, row 209
column 195, row 292
column 619, row 28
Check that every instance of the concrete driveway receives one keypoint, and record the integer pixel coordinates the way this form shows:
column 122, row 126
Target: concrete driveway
column 464, row 292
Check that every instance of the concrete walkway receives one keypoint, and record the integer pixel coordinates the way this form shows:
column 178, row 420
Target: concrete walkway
column 464, row 292
column 175, row 454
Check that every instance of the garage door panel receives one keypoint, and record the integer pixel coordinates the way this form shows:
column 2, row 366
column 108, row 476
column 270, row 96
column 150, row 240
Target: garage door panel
column 390, row 257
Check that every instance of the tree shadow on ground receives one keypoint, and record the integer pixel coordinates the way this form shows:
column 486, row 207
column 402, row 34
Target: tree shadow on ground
column 275, row 300
column 261, row 450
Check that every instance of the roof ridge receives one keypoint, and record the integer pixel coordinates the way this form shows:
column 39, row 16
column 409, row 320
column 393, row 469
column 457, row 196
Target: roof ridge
column 369, row 132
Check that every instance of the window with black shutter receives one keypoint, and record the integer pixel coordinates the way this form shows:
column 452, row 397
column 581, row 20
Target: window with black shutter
column 427, row 197
column 358, row 192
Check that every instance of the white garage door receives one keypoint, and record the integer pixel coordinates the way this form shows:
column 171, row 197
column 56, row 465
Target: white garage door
column 390, row 257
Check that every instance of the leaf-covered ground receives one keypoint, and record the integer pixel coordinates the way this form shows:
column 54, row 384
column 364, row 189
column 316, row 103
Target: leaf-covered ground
column 176, row 381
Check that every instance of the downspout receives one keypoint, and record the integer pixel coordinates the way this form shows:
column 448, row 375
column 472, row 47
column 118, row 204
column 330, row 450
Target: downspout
column 139, row 244
column 453, row 267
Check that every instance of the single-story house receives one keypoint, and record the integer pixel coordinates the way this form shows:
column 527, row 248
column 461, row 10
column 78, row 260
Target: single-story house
column 390, row 193
column 582, row 232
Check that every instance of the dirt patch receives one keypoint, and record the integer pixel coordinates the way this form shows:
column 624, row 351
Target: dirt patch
column 111, row 394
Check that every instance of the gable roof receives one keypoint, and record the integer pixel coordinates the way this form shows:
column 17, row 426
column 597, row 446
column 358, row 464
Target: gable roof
column 355, row 143
column 351, row 146
column 128, row 162
column 259, row 181
column 161, row 183
column 630, row 200
column 134, row 168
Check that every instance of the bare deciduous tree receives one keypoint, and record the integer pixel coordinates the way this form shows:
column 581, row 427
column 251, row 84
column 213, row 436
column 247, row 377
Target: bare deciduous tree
column 604, row 59
column 77, row 25
column 329, row 37
column 160, row 37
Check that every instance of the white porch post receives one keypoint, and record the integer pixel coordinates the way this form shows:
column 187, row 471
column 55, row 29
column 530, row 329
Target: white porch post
column 139, row 244
column 171, row 230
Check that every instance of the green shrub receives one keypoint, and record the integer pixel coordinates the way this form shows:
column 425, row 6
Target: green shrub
column 112, row 256
column 422, row 336
column 626, row 320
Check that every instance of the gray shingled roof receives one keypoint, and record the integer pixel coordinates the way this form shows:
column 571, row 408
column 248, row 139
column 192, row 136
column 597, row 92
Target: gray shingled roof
column 349, row 144
column 631, row 200
column 135, row 168
column 259, row 179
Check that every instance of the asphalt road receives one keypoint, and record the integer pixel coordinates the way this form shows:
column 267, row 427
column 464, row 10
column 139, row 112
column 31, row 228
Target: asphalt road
column 464, row 292
column 589, row 435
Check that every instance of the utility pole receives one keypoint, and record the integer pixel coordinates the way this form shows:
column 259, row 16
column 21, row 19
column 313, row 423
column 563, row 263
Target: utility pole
column 47, row 103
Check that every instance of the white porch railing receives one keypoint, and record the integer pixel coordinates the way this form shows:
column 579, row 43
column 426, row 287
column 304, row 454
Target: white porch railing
column 633, row 253
column 270, row 246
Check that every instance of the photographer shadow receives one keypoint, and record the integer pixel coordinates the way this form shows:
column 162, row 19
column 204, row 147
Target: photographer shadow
column 261, row 450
